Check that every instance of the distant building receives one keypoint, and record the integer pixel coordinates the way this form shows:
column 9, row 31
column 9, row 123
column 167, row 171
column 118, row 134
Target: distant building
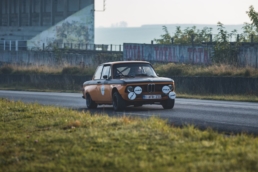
column 44, row 22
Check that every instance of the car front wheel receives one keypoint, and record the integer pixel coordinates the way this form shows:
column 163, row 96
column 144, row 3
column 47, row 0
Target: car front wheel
column 90, row 104
column 118, row 102
column 168, row 104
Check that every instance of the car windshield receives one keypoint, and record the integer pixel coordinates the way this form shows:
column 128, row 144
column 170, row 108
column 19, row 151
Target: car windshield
column 133, row 70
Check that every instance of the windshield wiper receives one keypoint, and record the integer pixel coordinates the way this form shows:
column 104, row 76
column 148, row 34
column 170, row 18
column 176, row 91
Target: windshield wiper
column 141, row 74
column 144, row 74
column 152, row 76
column 125, row 76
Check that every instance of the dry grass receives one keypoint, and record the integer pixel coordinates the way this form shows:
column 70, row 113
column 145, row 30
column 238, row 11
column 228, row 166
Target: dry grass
column 170, row 69
column 173, row 69
column 37, row 69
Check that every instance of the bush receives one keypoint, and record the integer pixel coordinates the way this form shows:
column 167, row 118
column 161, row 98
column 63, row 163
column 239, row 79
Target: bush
column 78, row 70
column 6, row 70
column 71, row 70
column 247, row 72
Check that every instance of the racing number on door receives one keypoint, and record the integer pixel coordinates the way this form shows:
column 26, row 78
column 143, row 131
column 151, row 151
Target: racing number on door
column 105, row 87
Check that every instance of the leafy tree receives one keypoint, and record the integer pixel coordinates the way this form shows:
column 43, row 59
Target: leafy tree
column 187, row 36
column 251, row 29
column 165, row 38
column 224, row 52
column 253, row 15
column 248, row 30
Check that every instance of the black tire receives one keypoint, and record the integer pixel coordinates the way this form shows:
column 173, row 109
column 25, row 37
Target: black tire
column 90, row 104
column 168, row 104
column 118, row 102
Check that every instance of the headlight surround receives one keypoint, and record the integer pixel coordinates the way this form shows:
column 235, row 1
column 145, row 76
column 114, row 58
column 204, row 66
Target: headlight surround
column 171, row 86
column 129, row 89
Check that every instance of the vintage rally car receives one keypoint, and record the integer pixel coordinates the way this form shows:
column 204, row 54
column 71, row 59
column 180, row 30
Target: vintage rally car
column 124, row 83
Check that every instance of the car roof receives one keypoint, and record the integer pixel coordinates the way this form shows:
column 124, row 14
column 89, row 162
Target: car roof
column 122, row 62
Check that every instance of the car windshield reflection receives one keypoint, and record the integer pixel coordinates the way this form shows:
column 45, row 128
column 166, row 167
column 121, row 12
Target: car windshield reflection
column 133, row 70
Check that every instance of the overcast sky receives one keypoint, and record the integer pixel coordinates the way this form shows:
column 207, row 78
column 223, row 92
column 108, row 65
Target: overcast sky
column 135, row 13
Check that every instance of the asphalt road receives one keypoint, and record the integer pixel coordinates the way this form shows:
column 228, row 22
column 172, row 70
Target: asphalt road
column 223, row 116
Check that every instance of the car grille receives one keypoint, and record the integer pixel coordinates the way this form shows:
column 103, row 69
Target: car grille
column 150, row 88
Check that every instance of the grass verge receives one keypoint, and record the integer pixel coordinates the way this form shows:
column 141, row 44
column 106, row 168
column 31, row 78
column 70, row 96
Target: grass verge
column 172, row 69
column 45, row 138
column 241, row 98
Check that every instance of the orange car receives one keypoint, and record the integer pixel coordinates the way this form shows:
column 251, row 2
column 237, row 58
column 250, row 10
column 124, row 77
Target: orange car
column 125, row 83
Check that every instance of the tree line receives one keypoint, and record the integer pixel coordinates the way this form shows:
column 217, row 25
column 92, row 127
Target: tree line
column 224, row 50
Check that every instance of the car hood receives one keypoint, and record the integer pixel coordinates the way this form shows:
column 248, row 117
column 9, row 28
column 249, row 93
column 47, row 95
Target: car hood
column 131, row 80
column 146, row 79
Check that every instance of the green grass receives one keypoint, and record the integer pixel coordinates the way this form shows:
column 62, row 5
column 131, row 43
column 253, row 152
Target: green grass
column 45, row 138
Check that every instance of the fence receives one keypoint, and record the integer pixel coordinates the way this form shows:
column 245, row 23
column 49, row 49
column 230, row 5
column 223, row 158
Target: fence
column 17, row 45
column 13, row 45
column 57, row 58
column 73, row 46
column 247, row 54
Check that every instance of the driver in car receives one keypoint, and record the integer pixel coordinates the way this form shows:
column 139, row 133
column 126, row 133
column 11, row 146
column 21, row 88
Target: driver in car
column 135, row 71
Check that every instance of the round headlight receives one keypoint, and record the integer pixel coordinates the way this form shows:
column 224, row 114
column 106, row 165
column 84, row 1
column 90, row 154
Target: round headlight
column 131, row 95
column 138, row 90
column 129, row 89
column 166, row 89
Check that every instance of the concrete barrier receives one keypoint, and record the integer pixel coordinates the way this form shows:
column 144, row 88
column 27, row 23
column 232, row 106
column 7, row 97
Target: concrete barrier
column 217, row 85
column 184, row 84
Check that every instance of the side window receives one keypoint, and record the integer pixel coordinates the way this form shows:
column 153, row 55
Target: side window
column 98, row 73
column 106, row 71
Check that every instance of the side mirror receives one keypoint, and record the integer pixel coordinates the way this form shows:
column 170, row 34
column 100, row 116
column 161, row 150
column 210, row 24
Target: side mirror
column 105, row 76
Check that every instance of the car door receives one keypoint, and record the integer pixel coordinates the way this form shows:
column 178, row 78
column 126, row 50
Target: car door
column 95, row 87
column 104, row 87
